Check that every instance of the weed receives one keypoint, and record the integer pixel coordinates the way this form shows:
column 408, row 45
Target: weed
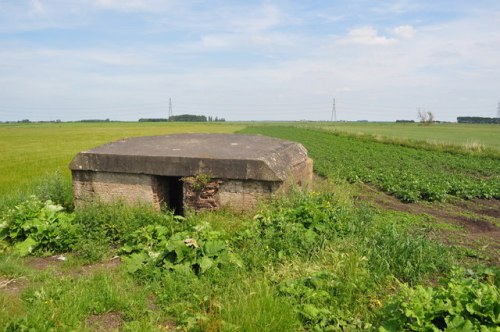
column 38, row 227
column 56, row 188
column 468, row 301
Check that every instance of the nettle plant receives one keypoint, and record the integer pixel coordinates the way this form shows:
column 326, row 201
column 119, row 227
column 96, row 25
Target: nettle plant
column 195, row 250
column 36, row 227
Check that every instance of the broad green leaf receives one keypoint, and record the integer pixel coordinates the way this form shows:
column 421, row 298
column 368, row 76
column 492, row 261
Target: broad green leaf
column 26, row 247
column 205, row 263
column 214, row 247
column 135, row 261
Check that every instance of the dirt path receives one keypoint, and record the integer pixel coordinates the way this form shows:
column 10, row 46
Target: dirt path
column 475, row 224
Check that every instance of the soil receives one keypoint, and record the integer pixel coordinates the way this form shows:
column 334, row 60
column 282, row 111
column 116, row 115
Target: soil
column 475, row 223
column 11, row 286
column 110, row 264
column 55, row 263
column 110, row 321
column 44, row 263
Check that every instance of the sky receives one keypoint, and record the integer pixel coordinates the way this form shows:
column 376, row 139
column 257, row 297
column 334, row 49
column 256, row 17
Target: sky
column 249, row 60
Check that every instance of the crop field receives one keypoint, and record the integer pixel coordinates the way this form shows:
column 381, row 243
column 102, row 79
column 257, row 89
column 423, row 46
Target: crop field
column 407, row 173
column 391, row 237
column 442, row 133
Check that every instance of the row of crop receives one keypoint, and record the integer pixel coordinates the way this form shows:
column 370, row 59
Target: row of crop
column 407, row 173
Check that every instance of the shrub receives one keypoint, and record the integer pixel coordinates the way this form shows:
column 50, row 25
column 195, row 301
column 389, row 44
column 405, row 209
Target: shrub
column 36, row 227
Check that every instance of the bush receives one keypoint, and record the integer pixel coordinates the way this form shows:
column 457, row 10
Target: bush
column 36, row 227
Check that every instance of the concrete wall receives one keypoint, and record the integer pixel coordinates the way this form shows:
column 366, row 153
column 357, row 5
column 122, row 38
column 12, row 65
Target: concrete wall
column 142, row 188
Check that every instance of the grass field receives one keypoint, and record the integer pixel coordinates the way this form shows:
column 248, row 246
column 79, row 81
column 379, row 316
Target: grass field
column 340, row 256
column 448, row 133
column 29, row 151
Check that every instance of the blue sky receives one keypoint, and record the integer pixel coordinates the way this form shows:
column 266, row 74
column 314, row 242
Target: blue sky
column 248, row 60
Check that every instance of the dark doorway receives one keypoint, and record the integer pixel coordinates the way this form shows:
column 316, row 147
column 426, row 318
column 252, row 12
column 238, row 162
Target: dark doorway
column 170, row 193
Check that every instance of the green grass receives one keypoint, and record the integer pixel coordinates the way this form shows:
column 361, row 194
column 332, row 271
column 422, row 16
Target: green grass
column 29, row 151
column 65, row 303
column 439, row 133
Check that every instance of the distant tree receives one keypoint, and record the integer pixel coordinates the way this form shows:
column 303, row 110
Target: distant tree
column 188, row 118
column 477, row 119
column 426, row 118
column 153, row 120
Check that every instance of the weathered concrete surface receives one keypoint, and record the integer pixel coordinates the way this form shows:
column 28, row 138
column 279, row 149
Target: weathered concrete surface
column 243, row 170
column 220, row 155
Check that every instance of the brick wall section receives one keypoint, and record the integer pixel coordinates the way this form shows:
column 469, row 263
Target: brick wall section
column 107, row 187
column 204, row 199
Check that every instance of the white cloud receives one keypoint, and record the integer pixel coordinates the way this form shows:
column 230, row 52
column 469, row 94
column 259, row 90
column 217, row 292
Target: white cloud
column 404, row 31
column 367, row 36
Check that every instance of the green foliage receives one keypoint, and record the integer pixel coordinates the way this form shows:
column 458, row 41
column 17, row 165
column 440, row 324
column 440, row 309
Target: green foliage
column 464, row 302
column 298, row 227
column 198, row 182
column 306, row 261
column 107, row 225
column 188, row 118
column 197, row 249
column 36, row 227
column 404, row 252
column 407, row 173
column 56, row 188
column 325, row 301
